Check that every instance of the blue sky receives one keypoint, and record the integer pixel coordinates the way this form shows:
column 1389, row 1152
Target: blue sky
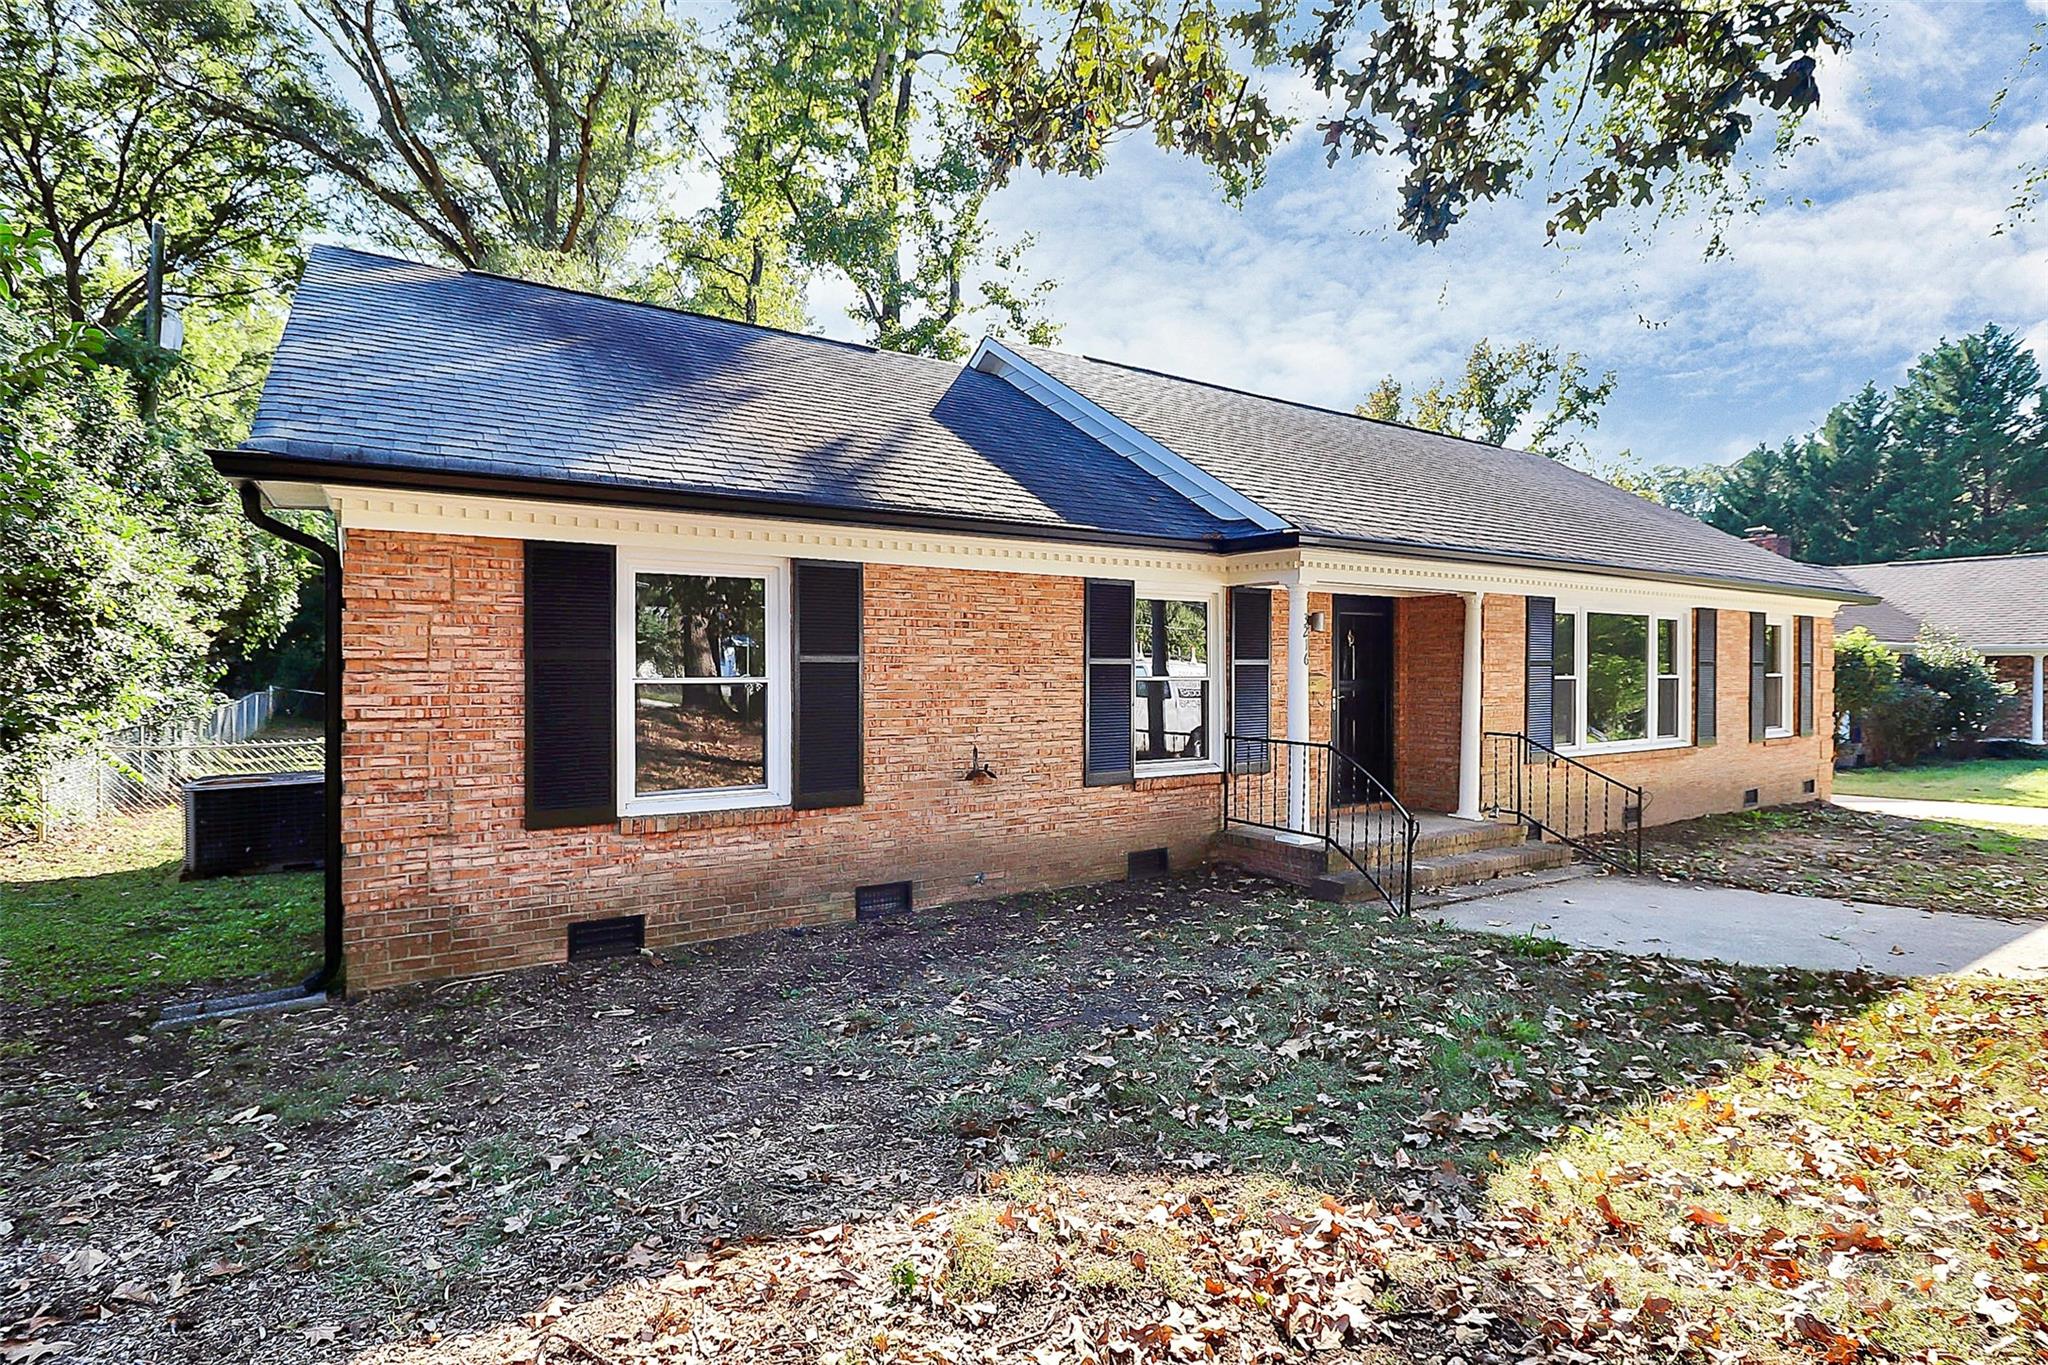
column 1872, row 244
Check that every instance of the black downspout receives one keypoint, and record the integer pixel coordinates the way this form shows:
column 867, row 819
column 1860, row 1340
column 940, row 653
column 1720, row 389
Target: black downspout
column 329, row 970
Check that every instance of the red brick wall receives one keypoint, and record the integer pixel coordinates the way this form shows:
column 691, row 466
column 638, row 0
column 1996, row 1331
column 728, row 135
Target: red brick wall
column 1682, row 783
column 2015, row 720
column 441, row 878
column 1429, row 690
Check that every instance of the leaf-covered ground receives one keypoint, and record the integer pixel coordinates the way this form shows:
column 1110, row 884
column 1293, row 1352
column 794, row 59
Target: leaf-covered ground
column 100, row 913
column 1826, row 850
column 407, row 1171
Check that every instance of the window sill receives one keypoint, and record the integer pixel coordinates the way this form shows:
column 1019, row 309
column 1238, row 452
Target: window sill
column 1179, row 768
column 1633, row 746
column 703, row 803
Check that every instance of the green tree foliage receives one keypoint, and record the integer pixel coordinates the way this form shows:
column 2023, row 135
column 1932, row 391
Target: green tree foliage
column 863, row 142
column 1904, row 723
column 1864, row 671
column 1952, row 462
column 94, row 147
column 118, row 567
column 1537, row 396
column 503, row 134
column 1627, row 105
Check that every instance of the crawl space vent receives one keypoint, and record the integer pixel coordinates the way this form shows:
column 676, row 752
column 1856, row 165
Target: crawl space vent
column 1807, row 786
column 1749, row 797
column 1145, row 862
column 594, row 938
column 887, row 898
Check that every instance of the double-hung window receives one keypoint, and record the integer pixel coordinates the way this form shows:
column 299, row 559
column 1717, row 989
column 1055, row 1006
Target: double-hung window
column 1777, row 648
column 1616, row 680
column 704, row 712
column 1172, row 712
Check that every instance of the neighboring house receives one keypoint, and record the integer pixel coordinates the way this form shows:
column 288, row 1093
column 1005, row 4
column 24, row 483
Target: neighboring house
column 1995, row 604
column 689, row 628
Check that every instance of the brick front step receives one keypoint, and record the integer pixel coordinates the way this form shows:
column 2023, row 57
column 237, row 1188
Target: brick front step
column 1449, row 869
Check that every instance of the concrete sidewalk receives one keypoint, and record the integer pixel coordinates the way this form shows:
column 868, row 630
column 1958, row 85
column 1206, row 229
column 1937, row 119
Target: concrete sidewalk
column 1961, row 812
column 1764, row 929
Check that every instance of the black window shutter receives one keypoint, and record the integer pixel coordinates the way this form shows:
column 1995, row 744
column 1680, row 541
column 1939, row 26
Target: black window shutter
column 1806, row 675
column 1108, row 630
column 571, row 684
column 827, row 759
column 1542, row 668
column 1759, row 660
column 1706, row 651
column 1251, row 675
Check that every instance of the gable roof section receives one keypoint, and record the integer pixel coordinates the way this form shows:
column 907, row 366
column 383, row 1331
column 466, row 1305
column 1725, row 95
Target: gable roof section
column 1378, row 484
column 393, row 368
column 1990, row 600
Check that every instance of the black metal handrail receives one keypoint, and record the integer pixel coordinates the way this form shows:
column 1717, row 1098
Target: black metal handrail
column 1346, row 807
column 1555, row 794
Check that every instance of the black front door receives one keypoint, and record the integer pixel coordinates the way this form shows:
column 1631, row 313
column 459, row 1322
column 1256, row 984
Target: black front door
column 1362, row 639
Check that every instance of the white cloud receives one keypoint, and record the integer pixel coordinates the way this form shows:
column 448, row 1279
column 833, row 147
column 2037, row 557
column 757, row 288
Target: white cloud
column 1878, row 240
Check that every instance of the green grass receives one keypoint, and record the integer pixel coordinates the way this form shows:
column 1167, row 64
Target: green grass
column 103, row 916
column 1995, row 781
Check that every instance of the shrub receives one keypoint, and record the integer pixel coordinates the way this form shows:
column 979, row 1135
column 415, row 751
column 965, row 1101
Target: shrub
column 1864, row 669
column 1904, row 722
column 1971, row 693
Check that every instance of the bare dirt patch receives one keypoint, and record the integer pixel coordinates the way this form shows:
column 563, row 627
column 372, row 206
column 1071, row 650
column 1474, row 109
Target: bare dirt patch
column 1823, row 850
column 430, row 1163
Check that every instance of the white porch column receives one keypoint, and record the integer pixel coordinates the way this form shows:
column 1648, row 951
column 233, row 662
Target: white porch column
column 1469, row 734
column 2037, row 699
column 1297, row 705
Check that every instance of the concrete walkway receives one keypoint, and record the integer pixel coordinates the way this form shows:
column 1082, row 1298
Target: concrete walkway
column 1961, row 812
column 1764, row 929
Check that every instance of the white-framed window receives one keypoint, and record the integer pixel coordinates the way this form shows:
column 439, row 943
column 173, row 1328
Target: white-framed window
column 1177, row 693
column 1618, row 679
column 1777, row 669
column 1564, row 682
column 704, row 684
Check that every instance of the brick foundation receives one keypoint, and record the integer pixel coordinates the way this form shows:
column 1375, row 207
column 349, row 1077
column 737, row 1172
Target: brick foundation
column 442, row 879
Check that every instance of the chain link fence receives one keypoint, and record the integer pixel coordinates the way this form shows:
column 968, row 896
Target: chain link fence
column 142, row 768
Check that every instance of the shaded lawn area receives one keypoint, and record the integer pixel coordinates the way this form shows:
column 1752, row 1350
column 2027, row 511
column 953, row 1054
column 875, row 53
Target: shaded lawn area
column 100, row 914
column 1855, row 855
column 1166, row 1071
column 1998, row 781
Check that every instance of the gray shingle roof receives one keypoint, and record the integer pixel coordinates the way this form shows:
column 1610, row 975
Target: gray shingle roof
column 395, row 365
column 1991, row 600
column 1336, row 474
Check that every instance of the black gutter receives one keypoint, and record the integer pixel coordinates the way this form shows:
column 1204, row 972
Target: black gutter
column 329, row 971
column 246, row 464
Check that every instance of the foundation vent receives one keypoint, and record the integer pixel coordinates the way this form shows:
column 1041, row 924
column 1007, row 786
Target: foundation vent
column 887, row 898
column 1749, row 798
column 1146, row 862
column 1808, row 786
column 622, row 936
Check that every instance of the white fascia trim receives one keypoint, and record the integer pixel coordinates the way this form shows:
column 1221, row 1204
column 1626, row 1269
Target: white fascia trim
column 1177, row 472
column 1333, row 570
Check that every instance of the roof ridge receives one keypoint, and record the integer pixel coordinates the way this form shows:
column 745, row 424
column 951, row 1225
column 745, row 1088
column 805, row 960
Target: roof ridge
column 1296, row 403
column 1944, row 559
column 669, row 309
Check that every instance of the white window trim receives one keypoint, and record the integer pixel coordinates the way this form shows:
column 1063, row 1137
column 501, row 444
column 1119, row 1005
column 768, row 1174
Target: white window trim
column 1174, row 767
column 1581, row 608
column 780, row 660
column 1780, row 726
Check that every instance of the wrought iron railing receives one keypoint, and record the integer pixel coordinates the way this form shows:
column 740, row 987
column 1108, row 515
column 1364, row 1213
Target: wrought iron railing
column 1341, row 805
column 1568, row 800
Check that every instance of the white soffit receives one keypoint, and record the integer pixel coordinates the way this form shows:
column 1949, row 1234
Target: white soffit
column 1184, row 477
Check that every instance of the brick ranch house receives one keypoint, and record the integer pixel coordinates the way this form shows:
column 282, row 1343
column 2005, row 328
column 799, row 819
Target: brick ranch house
column 661, row 627
column 1995, row 604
